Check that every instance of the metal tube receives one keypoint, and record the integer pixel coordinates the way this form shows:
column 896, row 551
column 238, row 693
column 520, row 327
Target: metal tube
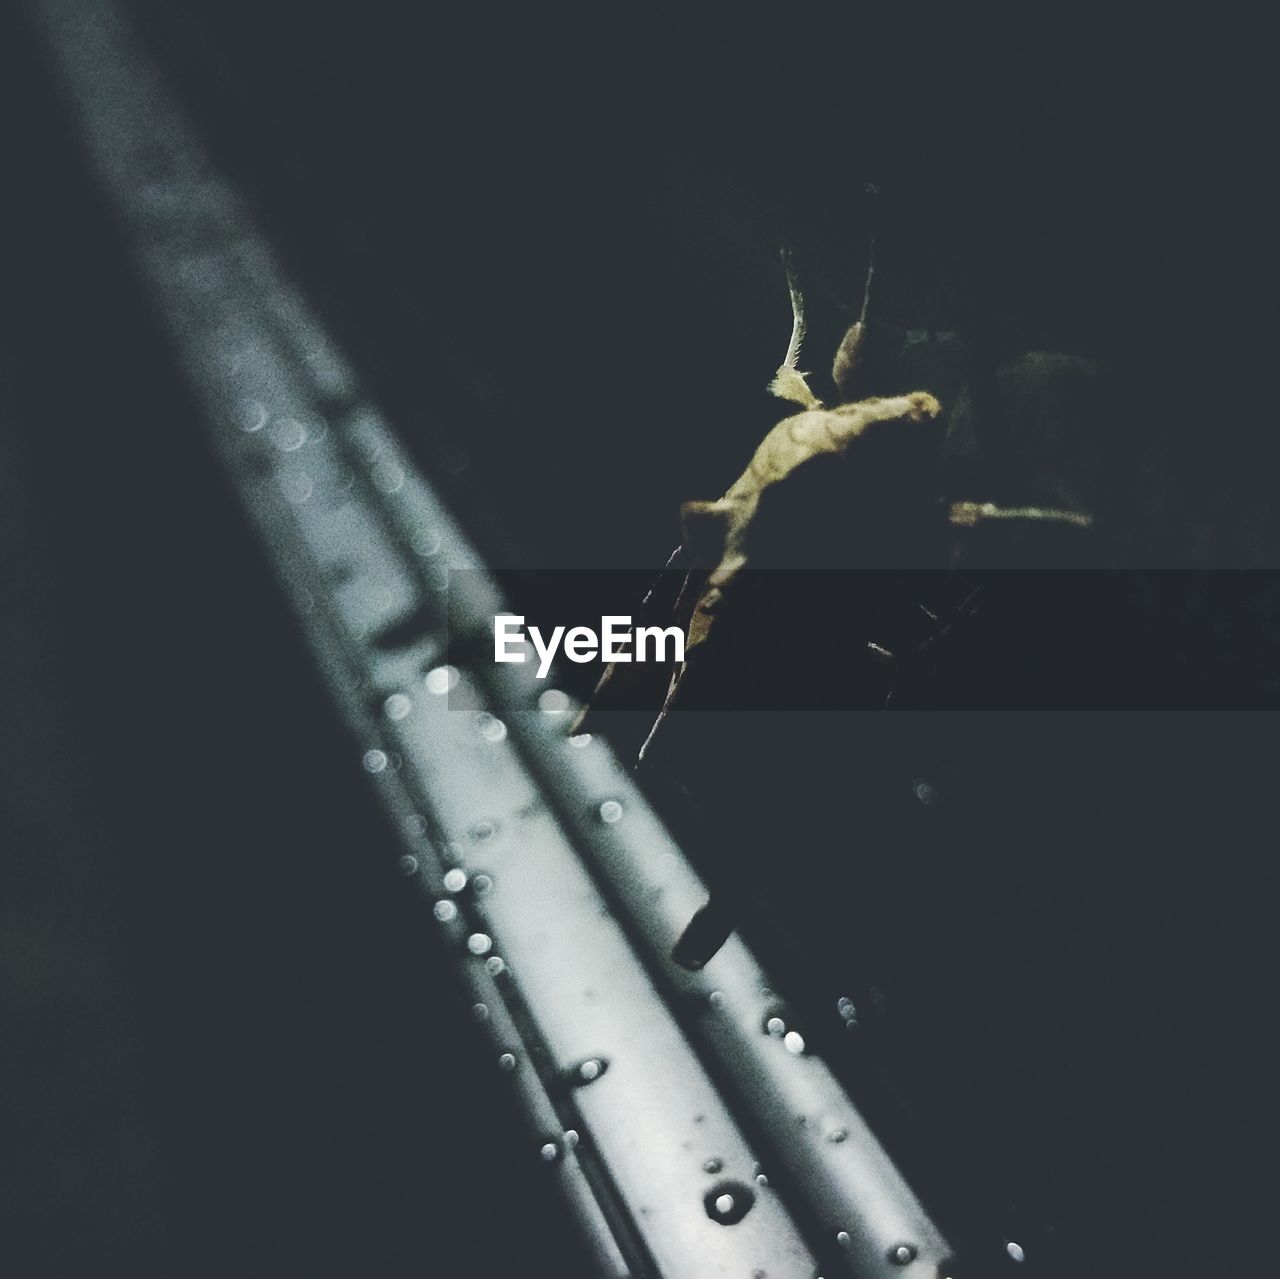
column 552, row 883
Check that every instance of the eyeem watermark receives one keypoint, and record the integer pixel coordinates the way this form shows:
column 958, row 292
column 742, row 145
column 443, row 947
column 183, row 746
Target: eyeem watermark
column 616, row 641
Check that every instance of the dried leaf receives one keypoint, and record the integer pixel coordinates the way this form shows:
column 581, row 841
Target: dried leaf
column 967, row 514
column 724, row 524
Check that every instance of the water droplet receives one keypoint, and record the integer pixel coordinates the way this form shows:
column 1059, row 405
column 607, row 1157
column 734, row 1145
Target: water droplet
column 774, row 1025
column 253, row 416
column 482, row 830
column 375, row 761
column 414, row 825
column 480, row 1012
column 507, row 1061
column 611, row 812
column 727, row 1202
column 441, row 679
column 793, row 1042
column 712, row 1165
column 297, row 487
column 397, row 706
column 408, row 864
column 550, row 1152
column 579, row 740
column 445, row 911
column 1015, row 1251
column 843, row 1239
column 571, row 1138
column 290, row 435
column 553, row 702
column 902, row 1254
column 590, row 1070
column 494, row 965
column 455, row 879
column 761, row 1179
column 426, row 544
column 846, row 1008
column 479, row 943
column 491, row 728
column 924, row 792
column 716, row 999
column 837, row 1135
column 482, row 884
column 388, row 477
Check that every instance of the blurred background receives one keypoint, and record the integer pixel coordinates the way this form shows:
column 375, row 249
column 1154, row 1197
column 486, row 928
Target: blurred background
column 549, row 237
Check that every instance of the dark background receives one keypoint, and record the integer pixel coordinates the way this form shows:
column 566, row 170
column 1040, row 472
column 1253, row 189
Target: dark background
column 549, row 236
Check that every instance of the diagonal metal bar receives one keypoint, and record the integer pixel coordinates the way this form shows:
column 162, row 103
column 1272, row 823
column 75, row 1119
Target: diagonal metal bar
column 651, row 1093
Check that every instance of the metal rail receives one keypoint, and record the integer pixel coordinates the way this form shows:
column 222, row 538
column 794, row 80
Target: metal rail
column 653, row 1095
